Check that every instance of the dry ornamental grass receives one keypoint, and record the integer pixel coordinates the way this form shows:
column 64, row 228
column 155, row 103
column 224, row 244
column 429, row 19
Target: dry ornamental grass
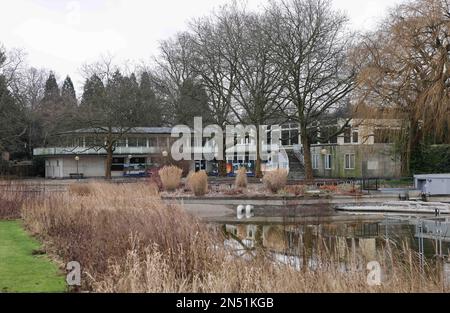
column 275, row 180
column 198, row 183
column 241, row 178
column 170, row 177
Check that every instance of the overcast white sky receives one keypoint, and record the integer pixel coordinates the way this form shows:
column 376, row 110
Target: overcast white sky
column 63, row 34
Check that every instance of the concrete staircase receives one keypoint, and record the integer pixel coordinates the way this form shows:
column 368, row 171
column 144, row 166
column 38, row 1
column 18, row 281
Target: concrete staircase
column 296, row 167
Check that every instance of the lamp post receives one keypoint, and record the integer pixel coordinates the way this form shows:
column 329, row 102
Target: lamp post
column 77, row 159
column 129, row 165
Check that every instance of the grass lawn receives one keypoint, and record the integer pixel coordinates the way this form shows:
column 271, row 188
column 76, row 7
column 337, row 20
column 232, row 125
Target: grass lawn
column 20, row 270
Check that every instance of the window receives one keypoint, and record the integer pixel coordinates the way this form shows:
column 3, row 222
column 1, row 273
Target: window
column 386, row 135
column 328, row 162
column 117, row 164
column 137, row 142
column 355, row 136
column 152, row 142
column 349, row 161
column 121, row 143
column 347, row 133
column 91, row 142
column 139, row 160
column 137, row 163
column 163, row 142
column 285, row 136
column 133, row 142
column 294, row 137
column 315, row 161
column 351, row 135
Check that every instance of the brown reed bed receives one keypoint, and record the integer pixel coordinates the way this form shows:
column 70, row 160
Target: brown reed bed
column 13, row 195
column 128, row 240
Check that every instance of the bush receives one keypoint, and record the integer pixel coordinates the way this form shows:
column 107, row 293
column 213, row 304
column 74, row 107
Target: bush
column 241, row 178
column 198, row 183
column 431, row 159
column 170, row 177
column 275, row 180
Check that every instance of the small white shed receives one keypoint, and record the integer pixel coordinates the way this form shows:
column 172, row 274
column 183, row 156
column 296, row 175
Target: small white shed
column 433, row 184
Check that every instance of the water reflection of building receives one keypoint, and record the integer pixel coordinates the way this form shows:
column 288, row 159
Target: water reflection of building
column 296, row 239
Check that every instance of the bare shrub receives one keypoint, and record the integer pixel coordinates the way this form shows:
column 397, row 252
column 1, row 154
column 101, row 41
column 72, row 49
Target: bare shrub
column 241, row 178
column 170, row 177
column 275, row 180
column 198, row 183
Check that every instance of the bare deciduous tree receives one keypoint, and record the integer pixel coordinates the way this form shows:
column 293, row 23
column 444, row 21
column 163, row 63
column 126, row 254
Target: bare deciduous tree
column 310, row 44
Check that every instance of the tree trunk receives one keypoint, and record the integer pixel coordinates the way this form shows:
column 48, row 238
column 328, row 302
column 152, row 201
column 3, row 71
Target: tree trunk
column 109, row 156
column 307, row 155
column 223, row 163
column 222, row 168
column 258, row 171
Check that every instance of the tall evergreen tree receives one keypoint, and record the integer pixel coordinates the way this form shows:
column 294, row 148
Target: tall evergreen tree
column 68, row 94
column 193, row 102
column 151, row 107
column 111, row 111
column 51, row 92
column 12, row 120
column 93, row 93
column 53, row 114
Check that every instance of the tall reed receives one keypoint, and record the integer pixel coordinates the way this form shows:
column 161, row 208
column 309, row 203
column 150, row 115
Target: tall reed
column 128, row 240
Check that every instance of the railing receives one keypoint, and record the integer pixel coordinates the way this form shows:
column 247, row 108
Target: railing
column 299, row 153
column 375, row 183
column 83, row 151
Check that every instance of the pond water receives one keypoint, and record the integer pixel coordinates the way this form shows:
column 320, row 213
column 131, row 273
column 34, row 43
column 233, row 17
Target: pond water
column 298, row 235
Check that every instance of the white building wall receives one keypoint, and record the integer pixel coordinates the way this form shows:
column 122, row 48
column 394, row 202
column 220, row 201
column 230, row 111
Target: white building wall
column 54, row 168
column 89, row 166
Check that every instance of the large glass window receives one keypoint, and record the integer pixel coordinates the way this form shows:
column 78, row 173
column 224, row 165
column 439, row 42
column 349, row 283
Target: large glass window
column 137, row 142
column 117, row 164
column 285, row 136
